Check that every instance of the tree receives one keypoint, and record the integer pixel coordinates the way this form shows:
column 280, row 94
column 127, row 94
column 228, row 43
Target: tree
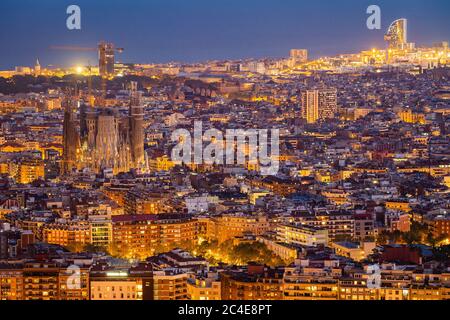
column 187, row 246
column 411, row 237
column 395, row 236
column 442, row 253
column 383, row 237
column 76, row 247
column 245, row 252
column 118, row 251
column 435, row 241
column 94, row 249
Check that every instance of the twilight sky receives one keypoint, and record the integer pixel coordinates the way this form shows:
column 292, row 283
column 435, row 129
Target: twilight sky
column 196, row 30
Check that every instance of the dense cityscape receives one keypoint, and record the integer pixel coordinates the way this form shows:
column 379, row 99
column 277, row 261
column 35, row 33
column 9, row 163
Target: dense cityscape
column 93, row 206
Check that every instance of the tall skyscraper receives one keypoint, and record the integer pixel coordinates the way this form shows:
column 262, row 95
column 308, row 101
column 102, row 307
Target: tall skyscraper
column 310, row 106
column 299, row 55
column 320, row 104
column 327, row 103
column 106, row 58
column 397, row 34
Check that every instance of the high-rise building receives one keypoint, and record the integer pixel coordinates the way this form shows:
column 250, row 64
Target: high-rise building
column 139, row 201
column 258, row 283
column 204, row 288
column 100, row 230
column 339, row 224
column 227, row 227
column 114, row 285
column 310, row 106
column 299, row 55
column 319, row 104
column 302, row 235
column 66, row 234
column 143, row 235
column 106, row 58
column 397, row 34
column 30, row 170
column 327, row 103
column 257, row 67
column 169, row 285
column 11, row 283
column 48, row 281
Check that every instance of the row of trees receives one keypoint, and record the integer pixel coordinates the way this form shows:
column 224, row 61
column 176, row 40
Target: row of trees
column 418, row 234
column 29, row 83
column 123, row 251
column 226, row 252
column 237, row 253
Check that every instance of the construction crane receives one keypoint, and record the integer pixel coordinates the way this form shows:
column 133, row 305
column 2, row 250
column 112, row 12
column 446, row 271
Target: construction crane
column 82, row 49
column 91, row 99
column 101, row 49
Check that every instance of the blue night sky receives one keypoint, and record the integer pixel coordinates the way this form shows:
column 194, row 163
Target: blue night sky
column 196, row 30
